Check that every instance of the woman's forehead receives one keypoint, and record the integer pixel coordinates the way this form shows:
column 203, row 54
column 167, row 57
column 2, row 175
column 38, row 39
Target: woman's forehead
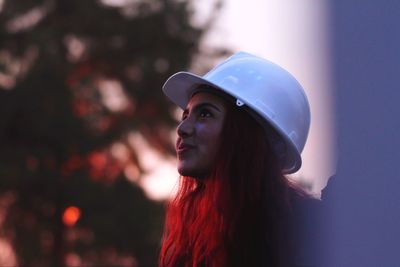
column 201, row 97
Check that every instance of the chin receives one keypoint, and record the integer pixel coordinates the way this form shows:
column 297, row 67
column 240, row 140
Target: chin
column 191, row 172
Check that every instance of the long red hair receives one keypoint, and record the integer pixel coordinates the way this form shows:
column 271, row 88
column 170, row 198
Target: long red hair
column 236, row 216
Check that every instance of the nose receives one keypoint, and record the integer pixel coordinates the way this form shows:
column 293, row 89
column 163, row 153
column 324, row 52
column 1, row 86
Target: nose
column 185, row 128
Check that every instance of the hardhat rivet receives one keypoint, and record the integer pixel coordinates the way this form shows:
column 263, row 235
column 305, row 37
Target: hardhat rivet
column 239, row 103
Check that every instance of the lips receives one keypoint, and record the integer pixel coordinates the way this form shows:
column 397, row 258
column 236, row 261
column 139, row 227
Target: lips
column 183, row 147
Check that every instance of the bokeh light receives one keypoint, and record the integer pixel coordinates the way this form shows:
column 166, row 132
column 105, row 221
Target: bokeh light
column 71, row 215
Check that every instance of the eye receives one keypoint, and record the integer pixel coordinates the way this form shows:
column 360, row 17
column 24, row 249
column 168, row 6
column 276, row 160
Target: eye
column 205, row 113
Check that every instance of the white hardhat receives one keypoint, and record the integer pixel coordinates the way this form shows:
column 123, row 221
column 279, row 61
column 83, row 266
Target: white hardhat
column 266, row 88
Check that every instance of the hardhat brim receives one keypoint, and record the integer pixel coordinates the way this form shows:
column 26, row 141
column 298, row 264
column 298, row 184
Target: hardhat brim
column 181, row 86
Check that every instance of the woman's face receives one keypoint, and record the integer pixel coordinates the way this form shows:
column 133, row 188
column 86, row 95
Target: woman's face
column 199, row 134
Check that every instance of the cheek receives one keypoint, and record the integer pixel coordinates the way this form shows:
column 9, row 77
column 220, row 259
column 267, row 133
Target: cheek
column 210, row 138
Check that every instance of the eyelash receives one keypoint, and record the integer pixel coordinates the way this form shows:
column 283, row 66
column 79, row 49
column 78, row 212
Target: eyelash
column 203, row 113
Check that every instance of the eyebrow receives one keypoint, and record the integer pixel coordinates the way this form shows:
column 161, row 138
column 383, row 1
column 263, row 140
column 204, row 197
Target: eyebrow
column 202, row 105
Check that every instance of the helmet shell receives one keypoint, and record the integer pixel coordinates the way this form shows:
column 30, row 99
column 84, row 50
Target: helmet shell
column 266, row 88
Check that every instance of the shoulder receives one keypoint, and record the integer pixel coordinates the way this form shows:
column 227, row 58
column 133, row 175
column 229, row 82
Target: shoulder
column 304, row 215
column 302, row 203
column 305, row 228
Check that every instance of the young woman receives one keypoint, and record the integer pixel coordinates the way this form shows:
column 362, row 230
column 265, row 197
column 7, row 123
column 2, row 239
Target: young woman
column 243, row 127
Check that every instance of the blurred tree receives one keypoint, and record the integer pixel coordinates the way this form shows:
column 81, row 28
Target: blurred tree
column 77, row 78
